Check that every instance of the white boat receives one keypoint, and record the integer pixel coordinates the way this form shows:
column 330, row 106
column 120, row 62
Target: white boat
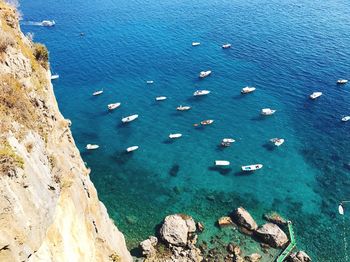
column 132, row 148
column 183, row 108
column 96, row 93
column 201, row 92
column 207, row 122
column 161, row 98
column 48, row 23
column 248, row 89
column 228, row 140
column 267, row 111
column 252, row 167
column 91, row 147
column 129, row 118
column 341, row 209
column 345, row 118
column 342, row 81
column 53, row 77
column 222, row 163
column 225, row 46
column 113, row 106
column 172, row 136
column 149, row 82
column 204, row 74
column 315, row 95
column 277, row 141
column 196, row 43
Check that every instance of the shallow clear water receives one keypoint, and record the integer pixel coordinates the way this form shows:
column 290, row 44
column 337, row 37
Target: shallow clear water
column 286, row 49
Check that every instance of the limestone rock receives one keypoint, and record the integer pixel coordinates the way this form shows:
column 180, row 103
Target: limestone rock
column 300, row 256
column 147, row 246
column 272, row 235
column 175, row 230
column 225, row 221
column 244, row 219
column 275, row 218
column 253, row 258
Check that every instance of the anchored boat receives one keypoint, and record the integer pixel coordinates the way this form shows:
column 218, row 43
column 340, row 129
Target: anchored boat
column 54, row 77
column 315, row 95
column 207, row 122
column 129, row 118
column 342, row 81
column 345, row 118
column 248, row 89
column 204, row 74
column 173, row 136
column 267, row 111
column 277, row 141
column 226, row 46
column 252, row 167
column 149, row 82
column 222, row 163
column 201, row 92
column 96, row 93
column 161, row 98
column 132, row 148
column 113, row 106
column 91, row 147
column 183, row 108
column 196, row 43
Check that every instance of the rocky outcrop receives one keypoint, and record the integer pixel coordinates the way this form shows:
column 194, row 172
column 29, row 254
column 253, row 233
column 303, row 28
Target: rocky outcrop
column 275, row 218
column 50, row 208
column 300, row 256
column 225, row 221
column 273, row 235
column 178, row 241
column 255, row 257
column 242, row 218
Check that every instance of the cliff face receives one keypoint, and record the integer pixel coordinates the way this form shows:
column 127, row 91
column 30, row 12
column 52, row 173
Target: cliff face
column 49, row 208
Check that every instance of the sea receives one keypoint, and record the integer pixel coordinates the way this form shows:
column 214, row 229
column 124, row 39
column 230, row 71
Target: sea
column 286, row 49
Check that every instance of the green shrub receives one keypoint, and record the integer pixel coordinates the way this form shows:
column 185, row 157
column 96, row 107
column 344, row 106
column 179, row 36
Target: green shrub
column 41, row 54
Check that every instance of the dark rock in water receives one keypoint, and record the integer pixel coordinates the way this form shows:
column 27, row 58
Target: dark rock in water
column 210, row 197
column 131, row 219
column 200, row 227
column 177, row 189
column 174, row 170
column 275, row 218
column 244, row 219
column 300, row 256
column 271, row 234
column 232, row 248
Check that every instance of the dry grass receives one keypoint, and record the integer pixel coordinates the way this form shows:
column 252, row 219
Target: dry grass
column 9, row 160
column 41, row 55
column 5, row 41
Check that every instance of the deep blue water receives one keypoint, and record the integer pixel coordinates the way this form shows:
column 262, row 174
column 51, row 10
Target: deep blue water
column 287, row 49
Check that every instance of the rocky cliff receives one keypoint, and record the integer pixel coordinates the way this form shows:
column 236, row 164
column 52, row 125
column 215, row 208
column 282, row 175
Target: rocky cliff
column 49, row 208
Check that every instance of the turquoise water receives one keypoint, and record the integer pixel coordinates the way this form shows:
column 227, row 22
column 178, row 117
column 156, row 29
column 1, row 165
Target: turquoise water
column 286, row 49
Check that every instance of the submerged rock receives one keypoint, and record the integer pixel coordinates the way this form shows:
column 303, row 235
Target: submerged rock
column 275, row 218
column 244, row 219
column 300, row 256
column 272, row 235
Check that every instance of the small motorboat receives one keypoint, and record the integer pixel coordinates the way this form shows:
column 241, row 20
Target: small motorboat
column 315, row 95
column 207, row 122
column 173, row 136
column 48, row 23
column 267, row 111
column 96, row 93
column 129, row 118
column 201, row 92
column 345, row 118
column 196, row 43
column 204, row 74
column 91, row 147
column 226, row 46
column 342, row 81
column 222, row 163
column 132, row 148
column 183, row 108
column 160, row 98
column 248, row 89
column 252, row 167
column 149, row 82
column 228, row 140
column 277, row 141
column 341, row 209
column 113, row 106
column 53, row 77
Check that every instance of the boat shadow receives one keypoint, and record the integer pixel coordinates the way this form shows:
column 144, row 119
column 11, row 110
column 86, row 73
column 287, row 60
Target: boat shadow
column 168, row 141
column 258, row 118
column 238, row 97
column 220, row 148
column 122, row 157
column 243, row 173
column 269, row 147
column 174, row 170
column 222, row 170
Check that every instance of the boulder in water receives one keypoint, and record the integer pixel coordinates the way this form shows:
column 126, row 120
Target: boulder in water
column 300, row 256
column 244, row 219
column 225, row 221
column 272, row 235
